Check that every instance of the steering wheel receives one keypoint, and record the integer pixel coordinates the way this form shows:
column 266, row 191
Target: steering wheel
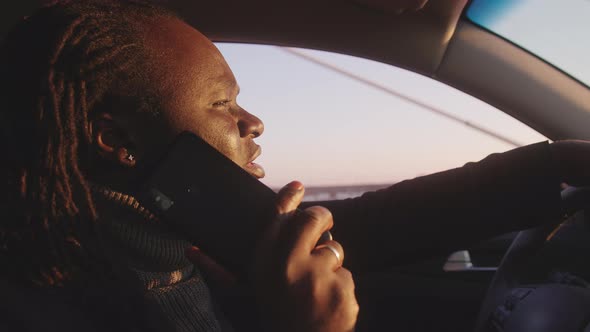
column 513, row 303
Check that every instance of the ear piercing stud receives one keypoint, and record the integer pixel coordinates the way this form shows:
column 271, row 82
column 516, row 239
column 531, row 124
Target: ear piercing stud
column 125, row 157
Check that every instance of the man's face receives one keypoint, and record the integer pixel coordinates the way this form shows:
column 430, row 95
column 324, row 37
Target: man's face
column 198, row 93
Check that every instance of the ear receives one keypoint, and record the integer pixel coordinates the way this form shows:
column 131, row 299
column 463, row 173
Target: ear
column 111, row 140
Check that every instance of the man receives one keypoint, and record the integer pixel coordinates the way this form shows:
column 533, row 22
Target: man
column 93, row 89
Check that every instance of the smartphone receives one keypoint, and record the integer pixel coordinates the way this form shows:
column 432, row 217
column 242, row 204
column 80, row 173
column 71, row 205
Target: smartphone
column 215, row 203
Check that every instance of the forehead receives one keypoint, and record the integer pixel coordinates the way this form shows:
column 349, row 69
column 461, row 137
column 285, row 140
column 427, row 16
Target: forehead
column 182, row 55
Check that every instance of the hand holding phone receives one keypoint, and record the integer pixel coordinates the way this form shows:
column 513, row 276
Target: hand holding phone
column 297, row 284
column 220, row 207
column 300, row 285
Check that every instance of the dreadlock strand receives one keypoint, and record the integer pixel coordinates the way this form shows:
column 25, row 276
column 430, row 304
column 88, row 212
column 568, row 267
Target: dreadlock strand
column 80, row 32
column 62, row 42
column 71, row 145
column 106, row 56
column 54, row 203
column 86, row 135
column 58, row 171
column 56, row 91
column 84, row 112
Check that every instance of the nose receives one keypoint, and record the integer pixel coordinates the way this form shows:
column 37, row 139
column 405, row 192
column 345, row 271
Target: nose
column 250, row 125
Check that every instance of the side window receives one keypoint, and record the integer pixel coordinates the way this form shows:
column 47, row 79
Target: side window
column 344, row 125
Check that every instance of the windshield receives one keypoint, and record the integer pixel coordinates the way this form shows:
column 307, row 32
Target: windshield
column 556, row 31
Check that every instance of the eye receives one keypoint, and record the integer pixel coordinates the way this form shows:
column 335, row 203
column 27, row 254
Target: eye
column 221, row 103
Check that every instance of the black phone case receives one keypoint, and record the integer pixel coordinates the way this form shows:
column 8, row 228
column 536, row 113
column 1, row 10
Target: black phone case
column 218, row 206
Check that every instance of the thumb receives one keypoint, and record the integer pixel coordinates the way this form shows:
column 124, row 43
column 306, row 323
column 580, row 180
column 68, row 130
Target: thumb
column 289, row 198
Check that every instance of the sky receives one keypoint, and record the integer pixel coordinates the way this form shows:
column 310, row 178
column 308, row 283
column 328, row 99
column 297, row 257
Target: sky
column 325, row 129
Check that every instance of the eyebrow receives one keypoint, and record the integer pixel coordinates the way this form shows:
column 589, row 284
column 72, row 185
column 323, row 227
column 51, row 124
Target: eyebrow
column 225, row 84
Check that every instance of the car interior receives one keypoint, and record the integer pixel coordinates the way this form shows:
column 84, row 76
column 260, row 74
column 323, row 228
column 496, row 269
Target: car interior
column 534, row 280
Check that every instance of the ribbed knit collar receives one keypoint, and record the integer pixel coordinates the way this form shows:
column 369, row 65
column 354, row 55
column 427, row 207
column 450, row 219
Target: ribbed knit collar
column 140, row 247
column 135, row 240
column 124, row 200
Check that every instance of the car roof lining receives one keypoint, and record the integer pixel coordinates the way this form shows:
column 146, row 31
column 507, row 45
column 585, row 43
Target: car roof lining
column 418, row 39
column 434, row 41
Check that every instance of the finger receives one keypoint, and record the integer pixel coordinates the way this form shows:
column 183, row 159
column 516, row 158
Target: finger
column 216, row 274
column 345, row 275
column 289, row 198
column 347, row 293
column 326, row 236
column 330, row 254
column 303, row 231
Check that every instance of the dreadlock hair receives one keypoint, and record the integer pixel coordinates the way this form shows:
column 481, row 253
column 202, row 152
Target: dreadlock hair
column 57, row 67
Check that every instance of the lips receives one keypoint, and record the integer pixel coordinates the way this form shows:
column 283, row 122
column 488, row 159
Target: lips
column 253, row 168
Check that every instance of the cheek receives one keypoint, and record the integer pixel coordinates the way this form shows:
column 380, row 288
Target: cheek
column 224, row 136
column 218, row 129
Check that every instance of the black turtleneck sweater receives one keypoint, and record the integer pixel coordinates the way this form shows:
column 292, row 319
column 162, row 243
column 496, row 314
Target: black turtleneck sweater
column 151, row 259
